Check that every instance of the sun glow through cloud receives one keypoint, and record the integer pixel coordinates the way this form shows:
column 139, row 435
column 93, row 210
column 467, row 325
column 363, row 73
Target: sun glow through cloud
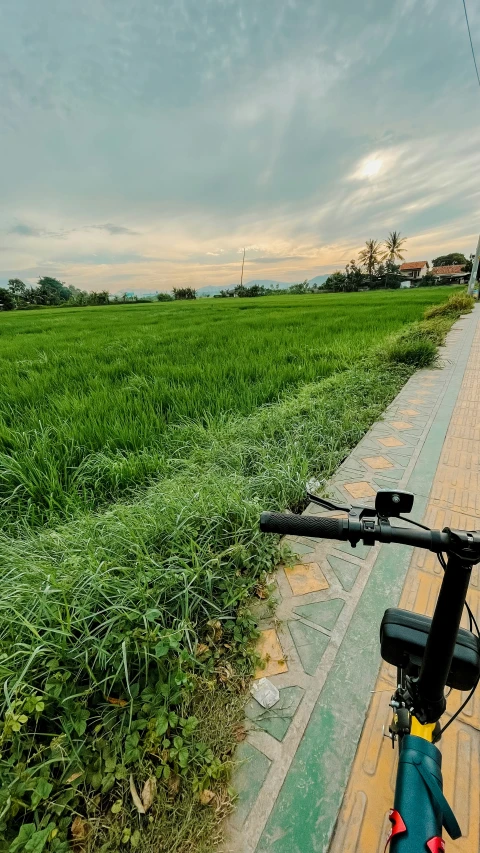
column 371, row 167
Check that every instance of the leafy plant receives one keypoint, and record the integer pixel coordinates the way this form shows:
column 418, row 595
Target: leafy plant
column 370, row 256
column 394, row 247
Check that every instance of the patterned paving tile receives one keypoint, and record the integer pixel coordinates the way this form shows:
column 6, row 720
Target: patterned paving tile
column 345, row 571
column 300, row 548
column 393, row 474
column 360, row 490
column 253, row 767
column 271, row 652
column 360, row 551
column 323, row 613
column 306, row 577
column 391, row 441
column 378, row 462
column 398, row 455
column 310, row 645
column 402, row 461
column 276, row 720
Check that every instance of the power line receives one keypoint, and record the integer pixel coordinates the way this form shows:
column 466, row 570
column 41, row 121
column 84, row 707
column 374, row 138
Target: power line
column 471, row 42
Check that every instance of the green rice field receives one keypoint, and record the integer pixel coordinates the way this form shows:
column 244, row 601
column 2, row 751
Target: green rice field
column 94, row 401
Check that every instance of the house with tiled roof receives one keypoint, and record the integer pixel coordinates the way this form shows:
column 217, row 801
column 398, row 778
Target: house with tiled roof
column 452, row 272
column 414, row 269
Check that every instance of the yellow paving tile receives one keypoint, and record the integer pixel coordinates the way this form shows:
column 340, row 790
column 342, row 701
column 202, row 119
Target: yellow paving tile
column 411, row 412
column 416, row 401
column 391, row 441
column 401, row 425
column 454, row 502
column 306, row 577
column 377, row 462
column 270, row 650
column 360, row 490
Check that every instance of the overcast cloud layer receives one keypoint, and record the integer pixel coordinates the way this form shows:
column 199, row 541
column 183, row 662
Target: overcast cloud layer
column 143, row 143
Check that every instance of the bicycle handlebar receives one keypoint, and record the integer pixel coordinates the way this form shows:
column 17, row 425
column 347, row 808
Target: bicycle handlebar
column 345, row 529
column 302, row 525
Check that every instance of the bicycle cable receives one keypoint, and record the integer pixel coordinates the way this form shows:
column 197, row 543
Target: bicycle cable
column 411, row 521
column 464, row 704
column 473, row 621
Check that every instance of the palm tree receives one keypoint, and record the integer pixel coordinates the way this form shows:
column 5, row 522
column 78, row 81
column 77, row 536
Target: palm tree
column 394, row 247
column 370, row 256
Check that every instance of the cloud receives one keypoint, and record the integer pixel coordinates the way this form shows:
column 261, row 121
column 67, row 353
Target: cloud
column 273, row 260
column 231, row 124
column 105, row 259
column 26, row 230
column 111, row 229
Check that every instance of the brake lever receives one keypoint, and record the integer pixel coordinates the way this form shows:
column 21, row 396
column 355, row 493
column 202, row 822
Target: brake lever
column 355, row 511
column 355, row 516
column 327, row 504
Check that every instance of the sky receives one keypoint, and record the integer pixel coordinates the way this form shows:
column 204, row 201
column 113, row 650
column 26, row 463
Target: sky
column 144, row 143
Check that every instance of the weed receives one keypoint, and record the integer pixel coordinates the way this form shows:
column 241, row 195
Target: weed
column 459, row 303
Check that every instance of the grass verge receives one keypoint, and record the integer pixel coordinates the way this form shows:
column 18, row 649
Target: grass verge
column 122, row 632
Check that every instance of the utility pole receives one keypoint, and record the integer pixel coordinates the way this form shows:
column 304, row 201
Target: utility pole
column 241, row 278
column 473, row 274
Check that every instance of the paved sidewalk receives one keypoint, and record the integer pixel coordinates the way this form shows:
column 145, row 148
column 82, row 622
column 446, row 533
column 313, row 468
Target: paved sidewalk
column 323, row 649
column 454, row 501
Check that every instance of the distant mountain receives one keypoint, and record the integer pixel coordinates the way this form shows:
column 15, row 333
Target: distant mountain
column 143, row 294
column 267, row 282
column 213, row 289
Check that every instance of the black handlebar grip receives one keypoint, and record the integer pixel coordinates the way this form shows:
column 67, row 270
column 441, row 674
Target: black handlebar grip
column 303, row 525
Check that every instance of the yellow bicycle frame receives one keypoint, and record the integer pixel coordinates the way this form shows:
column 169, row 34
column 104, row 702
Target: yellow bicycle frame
column 424, row 731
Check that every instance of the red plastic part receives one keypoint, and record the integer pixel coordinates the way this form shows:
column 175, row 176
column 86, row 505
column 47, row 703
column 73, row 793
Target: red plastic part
column 436, row 845
column 398, row 826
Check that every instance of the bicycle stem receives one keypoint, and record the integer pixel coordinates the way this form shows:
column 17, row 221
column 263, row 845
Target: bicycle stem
column 427, row 691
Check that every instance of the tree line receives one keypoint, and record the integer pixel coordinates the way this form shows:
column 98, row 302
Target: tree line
column 242, row 290
column 377, row 268
column 177, row 293
column 50, row 292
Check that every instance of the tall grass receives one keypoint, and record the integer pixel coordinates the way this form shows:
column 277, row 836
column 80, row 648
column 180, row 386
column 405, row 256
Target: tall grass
column 93, row 403
column 116, row 626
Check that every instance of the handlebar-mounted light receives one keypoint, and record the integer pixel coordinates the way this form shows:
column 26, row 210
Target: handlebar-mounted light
column 387, row 505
